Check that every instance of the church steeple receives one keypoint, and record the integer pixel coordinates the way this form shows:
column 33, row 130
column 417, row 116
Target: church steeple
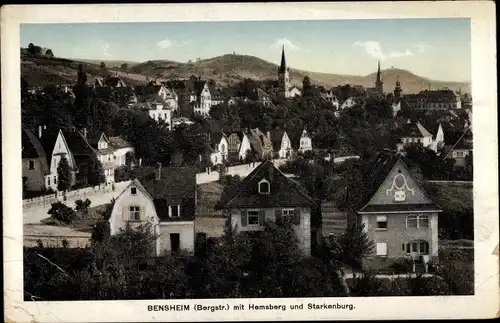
column 282, row 68
column 379, row 85
column 283, row 76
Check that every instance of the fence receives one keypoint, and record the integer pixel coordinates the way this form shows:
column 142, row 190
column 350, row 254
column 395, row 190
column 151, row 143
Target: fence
column 83, row 192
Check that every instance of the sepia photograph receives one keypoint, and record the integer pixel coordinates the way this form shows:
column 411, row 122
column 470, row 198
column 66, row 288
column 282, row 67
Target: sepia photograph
column 313, row 160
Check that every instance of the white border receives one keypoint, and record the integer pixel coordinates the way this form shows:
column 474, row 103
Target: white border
column 484, row 304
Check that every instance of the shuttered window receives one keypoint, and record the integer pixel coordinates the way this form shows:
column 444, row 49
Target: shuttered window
column 296, row 217
column 253, row 217
column 278, row 214
column 288, row 216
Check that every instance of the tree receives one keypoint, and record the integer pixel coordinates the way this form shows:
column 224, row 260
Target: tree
column 124, row 66
column 102, row 65
column 306, row 87
column 96, row 173
column 82, row 206
column 351, row 247
column 64, row 175
column 62, row 213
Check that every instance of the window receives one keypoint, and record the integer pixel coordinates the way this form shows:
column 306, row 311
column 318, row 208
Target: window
column 418, row 247
column 135, row 213
column 288, row 215
column 381, row 249
column 174, row 211
column 55, row 179
column 414, row 221
column 133, row 190
column 411, row 221
column 31, row 164
column 423, row 221
column 253, row 217
column 381, row 222
column 48, row 181
column 264, row 187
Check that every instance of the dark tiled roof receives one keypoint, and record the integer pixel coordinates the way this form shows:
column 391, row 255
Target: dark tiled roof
column 413, row 129
column 401, row 208
column 373, row 179
column 32, row 148
column 283, row 192
column 119, row 142
column 439, row 95
column 276, row 138
column 78, row 145
column 48, row 140
column 464, row 142
column 176, row 186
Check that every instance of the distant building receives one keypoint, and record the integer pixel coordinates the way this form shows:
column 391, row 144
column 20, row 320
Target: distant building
column 282, row 144
column 331, row 98
column 260, row 143
column 305, row 142
column 35, row 164
column 239, row 145
column 295, row 92
column 414, row 133
column 160, row 113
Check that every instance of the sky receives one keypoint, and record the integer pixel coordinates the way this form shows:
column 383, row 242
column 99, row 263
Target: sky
column 439, row 49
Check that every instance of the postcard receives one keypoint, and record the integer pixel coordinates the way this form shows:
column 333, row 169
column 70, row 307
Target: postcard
column 250, row 161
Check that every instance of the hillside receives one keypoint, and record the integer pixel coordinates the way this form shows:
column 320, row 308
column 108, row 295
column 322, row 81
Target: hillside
column 226, row 69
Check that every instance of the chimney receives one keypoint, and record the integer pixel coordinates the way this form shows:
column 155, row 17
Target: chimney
column 39, row 131
column 158, row 175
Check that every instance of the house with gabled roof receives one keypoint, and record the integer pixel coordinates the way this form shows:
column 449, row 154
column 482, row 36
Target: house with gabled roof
column 260, row 143
column 35, row 165
column 56, row 146
column 305, row 143
column 105, row 154
column 413, row 132
column 239, row 145
column 266, row 194
column 282, row 144
column 397, row 213
column 123, row 151
column 165, row 198
column 219, row 148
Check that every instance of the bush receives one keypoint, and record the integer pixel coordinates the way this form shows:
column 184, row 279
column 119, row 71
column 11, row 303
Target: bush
column 123, row 173
column 62, row 213
column 402, row 266
column 82, row 206
column 100, row 231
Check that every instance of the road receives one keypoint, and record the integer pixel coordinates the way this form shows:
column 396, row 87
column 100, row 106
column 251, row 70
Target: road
column 33, row 214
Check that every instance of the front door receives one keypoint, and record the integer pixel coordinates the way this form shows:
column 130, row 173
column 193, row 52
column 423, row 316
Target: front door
column 174, row 242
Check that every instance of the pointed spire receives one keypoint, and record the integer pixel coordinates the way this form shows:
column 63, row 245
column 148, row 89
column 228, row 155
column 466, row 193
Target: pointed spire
column 283, row 60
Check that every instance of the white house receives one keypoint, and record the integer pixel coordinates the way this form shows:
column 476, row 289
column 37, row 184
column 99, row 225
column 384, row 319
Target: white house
column 331, row 98
column 56, row 147
column 203, row 100
column 165, row 199
column 305, row 142
column 220, row 149
column 282, row 144
column 123, row 151
column 104, row 153
column 415, row 133
column 295, row 92
column 159, row 112
column 349, row 103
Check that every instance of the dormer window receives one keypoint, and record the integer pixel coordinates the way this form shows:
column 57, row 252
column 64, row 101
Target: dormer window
column 133, row 190
column 264, row 187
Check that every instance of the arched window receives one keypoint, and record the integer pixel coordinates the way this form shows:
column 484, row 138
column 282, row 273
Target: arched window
column 411, row 221
column 264, row 187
